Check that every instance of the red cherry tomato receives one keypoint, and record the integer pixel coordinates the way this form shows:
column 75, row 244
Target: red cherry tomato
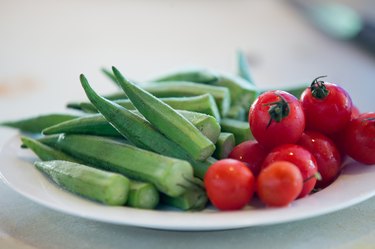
column 355, row 112
column 326, row 154
column 275, row 118
column 338, row 137
column 299, row 156
column 327, row 107
column 279, row 183
column 251, row 153
column 359, row 138
column 229, row 184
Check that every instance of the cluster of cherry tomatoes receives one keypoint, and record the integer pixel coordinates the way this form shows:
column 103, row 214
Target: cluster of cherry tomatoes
column 299, row 147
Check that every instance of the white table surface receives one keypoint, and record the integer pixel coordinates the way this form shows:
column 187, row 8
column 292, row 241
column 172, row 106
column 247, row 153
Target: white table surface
column 45, row 45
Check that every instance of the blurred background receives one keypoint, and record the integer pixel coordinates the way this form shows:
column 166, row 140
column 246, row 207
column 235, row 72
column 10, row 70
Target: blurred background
column 45, row 45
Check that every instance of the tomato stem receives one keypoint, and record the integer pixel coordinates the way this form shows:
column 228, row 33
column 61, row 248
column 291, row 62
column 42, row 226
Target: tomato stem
column 318, row 89
column 316, row 175
column 278, row 110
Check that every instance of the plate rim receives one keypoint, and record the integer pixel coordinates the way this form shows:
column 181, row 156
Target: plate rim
column 149, row 216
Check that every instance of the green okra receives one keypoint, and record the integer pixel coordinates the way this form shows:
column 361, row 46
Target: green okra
column 106, row 187
column 202, row 103
column 44, row 152
column 237, row 112
column 169, row 175
column 241, row 92
column 110, row 75
column 194, row 199
column 172, row 124
column 38, row 123
column 240, row 129
column 139, row 131
column 142, row 195
column 184, row 89
column 96, row 124
column 197, row 75
column 224, row 145
column 206, row 124
column 243, row 67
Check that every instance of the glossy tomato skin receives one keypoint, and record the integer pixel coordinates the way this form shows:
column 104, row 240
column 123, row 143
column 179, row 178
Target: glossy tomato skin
column 279, row 184
column 270, row 133
column 327, row 156
column 338, row 137
column 299, row 156
column 329, row 114
column 229, row 184
column 251, row 153
column 359, row 138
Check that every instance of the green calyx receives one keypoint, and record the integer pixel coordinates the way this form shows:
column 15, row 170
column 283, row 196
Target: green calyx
column 278, row 110
column 318, row 89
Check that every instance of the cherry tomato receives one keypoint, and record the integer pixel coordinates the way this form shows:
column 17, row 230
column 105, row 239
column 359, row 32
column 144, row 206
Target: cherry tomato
column 327, row 107
column 251, row 153
column 327, row 156
column 299, row 156
column 359, row 138
column 275, row 118
column 338, row 137
column 355, row 112
column 279, row 183
column 229, row 184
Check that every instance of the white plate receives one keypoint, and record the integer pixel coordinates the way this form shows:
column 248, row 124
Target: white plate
column 355, row 184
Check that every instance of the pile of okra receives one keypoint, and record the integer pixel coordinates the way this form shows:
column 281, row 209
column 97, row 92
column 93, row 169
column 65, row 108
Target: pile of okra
column 149, row 144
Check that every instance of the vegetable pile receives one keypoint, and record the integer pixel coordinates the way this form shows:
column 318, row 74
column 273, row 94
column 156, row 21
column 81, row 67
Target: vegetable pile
column 194, row 137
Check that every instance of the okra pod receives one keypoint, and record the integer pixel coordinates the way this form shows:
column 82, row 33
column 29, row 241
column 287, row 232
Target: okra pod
column 38, row 123
column 96, row 124
column 197, row 75
column 106, row 187
column 184, row 89
column 192, row 200
column 169, row 175
column 243, row 67
column 224, row 145
column 142, row 195
column 202, row 103
column 140, row 132
column 240, row 129
column 172, row 124
column 44, row 152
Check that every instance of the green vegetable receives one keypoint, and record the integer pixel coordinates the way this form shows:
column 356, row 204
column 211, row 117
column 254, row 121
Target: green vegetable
column 206, row 124
column 172, row 124
column 142, row 195
column 38, row 123
column 184, row 89
column 224, row 145
column 169, row 175
column 241, row 92
column 237, row 112
column 197, row 75
column 194, row 199
column 243, row 67
column 108, row 188
column 240, row 129
column 96, row 124
column 140, row 132
column 44, row 152
column 202, row 103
